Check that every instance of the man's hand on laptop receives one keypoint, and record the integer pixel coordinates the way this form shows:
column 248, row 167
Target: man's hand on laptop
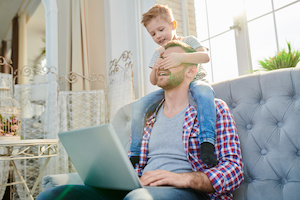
column 195, row 180
column 164, row 178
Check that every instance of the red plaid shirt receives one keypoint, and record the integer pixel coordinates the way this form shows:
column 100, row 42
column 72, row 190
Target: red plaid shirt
column 228, row 174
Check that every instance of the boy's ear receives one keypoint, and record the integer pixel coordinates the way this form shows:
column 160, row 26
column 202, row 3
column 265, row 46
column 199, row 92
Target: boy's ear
column 174, row 25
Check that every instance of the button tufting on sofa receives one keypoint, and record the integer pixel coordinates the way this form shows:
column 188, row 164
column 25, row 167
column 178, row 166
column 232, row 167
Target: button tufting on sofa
column 263, row 152
column 262, row 102
column 283, row 181
column 249, row 126
column 280, row 124
column 248, row 179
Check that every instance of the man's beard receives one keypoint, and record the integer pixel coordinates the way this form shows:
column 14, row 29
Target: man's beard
column 173, row 81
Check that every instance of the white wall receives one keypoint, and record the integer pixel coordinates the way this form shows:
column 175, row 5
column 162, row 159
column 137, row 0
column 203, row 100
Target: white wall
column 148, row 48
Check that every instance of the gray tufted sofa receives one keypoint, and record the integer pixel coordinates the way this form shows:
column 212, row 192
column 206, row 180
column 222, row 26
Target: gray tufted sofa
column 266, row 108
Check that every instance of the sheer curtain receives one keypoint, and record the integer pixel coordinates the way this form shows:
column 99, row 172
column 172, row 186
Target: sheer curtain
column 79, row 110
column 38, row 121
column 82, row 41
column 120, row 83
column 73, row 58
column 4, row 165
column 82, row 101
column 82, row 53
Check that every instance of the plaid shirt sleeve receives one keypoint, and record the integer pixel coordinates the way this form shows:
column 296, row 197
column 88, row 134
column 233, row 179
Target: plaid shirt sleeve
column 228, row 174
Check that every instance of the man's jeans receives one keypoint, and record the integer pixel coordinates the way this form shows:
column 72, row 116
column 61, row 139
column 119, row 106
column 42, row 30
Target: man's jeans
column 83, row 192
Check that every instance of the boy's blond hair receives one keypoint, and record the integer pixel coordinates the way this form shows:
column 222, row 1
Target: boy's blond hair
column 158, row 10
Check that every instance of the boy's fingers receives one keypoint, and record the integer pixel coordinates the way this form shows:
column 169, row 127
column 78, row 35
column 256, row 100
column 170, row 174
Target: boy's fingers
column 161, row 67
column 161, row 55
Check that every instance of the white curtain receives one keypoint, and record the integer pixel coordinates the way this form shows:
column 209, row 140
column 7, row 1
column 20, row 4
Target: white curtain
column 4, row 166
column 38, row 121
column 120, row 83
column 5, row 80
column 82, row 41
column 78, row 110
column 80, row 62
column 120, row 91
column 79, row 54
column 76, row 99
column 72, row 34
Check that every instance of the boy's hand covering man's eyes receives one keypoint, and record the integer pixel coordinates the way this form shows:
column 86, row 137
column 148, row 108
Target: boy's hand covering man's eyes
column 171, row 60
column 156, row 64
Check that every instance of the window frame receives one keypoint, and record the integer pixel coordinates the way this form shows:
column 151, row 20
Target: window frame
column 242, row 40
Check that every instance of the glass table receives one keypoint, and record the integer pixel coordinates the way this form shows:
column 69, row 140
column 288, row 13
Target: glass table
column 28, row 149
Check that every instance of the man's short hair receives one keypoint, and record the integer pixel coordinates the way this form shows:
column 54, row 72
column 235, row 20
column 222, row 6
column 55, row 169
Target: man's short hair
column 187, row 48
column 158, row 10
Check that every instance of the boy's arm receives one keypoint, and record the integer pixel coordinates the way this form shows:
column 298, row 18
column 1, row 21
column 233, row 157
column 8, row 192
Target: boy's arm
column 175, row 59
column 153, row 77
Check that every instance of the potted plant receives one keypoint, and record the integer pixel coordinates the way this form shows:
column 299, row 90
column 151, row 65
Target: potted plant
column 282, row 59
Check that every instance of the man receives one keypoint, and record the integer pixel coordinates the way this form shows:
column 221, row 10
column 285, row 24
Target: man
column 165, row 162
column 170, row 152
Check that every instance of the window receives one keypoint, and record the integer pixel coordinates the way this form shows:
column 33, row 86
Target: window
column 241, row 32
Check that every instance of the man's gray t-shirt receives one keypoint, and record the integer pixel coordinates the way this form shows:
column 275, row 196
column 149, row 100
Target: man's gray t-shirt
column 166, row 150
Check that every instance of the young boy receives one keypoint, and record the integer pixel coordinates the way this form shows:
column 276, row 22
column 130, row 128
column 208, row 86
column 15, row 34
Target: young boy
column 161, row 25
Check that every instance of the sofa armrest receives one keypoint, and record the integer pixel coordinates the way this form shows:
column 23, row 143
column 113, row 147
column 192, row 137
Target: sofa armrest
column 51, row 181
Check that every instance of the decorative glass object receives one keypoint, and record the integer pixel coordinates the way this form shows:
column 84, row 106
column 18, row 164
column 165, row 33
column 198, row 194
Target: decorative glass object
column 10, row 123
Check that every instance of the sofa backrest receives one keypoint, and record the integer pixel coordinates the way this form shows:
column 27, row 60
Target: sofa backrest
column 266, row 108
column 122, row 124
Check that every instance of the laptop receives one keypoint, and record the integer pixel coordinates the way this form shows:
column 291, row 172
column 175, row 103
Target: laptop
column 100, row 158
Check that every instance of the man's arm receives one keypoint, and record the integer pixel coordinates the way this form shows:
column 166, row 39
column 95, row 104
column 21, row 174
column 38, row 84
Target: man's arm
column 194, row 180
column 175, row 59
column 228, row 174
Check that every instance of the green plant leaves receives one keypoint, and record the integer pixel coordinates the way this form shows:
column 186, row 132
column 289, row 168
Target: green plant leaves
column 282, row 59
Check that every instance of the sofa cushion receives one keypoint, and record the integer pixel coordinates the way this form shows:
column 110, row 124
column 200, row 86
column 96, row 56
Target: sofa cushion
column 51, row 181
column 266, row 108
